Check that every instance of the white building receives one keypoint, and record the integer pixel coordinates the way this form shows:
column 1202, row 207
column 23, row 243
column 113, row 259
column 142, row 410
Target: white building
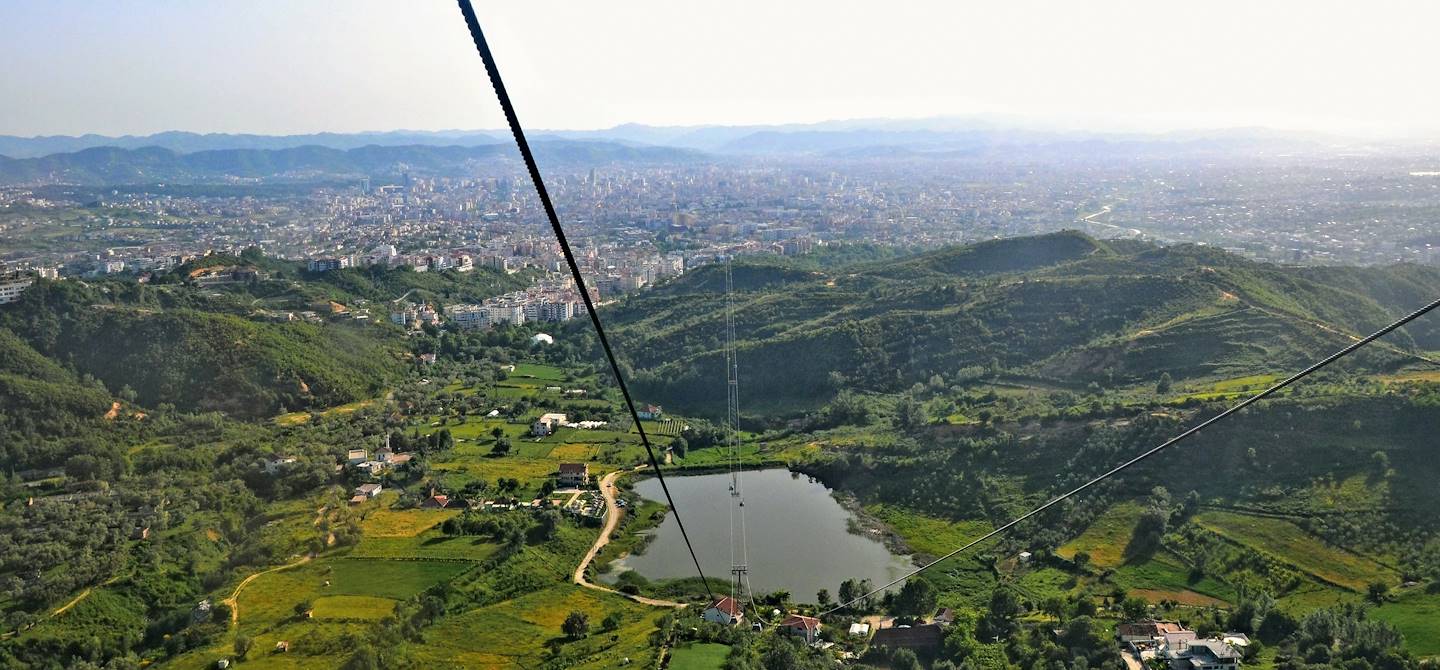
column 12, row 285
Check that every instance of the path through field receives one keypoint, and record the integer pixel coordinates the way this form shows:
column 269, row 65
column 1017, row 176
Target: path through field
column 612, row 518
column 234, row 600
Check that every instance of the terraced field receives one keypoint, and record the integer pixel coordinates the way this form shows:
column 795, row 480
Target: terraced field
column 1289, row 543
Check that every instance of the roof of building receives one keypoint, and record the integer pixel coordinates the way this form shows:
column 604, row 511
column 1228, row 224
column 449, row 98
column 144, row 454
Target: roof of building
column 801, row 621
column 1150, row 628
column 1211, row 650
column 574, row 468
column 725, row 604
column 914, row 637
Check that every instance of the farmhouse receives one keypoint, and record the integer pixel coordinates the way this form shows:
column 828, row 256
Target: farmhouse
column 651, row 412
column 368, row 490
column 723, row 611
column 919, row 639
column 435, row 500
column 574, row 474
column 547, row 424
column 799, row 625
column 356, row 456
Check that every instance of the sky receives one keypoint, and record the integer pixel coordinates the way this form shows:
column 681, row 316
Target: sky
column 299, row 66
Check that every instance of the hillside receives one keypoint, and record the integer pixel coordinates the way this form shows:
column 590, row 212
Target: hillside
column 1063, row 308
column 193, row 359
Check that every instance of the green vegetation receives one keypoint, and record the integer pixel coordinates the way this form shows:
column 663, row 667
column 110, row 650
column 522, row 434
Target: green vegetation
column 941, row 394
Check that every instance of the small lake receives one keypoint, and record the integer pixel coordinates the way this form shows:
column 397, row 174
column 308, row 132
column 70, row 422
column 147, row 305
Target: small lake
column 799, row 537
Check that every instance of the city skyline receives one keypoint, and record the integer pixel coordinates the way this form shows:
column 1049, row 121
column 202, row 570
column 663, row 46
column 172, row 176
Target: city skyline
column 275, row 68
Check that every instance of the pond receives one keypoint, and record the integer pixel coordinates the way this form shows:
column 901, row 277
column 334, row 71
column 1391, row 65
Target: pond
column 799, row 537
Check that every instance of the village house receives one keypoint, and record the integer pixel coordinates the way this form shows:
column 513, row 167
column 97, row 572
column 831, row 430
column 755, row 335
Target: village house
column 356, row 456
column 651, row 413
column 368, row 490
column 547, row 424
column 801, row 626
column 574, row 474
column 435, row 500
column 723, row 611
column 278, row 463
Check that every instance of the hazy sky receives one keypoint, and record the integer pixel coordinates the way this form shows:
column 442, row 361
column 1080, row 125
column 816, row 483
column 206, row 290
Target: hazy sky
column 290, row 66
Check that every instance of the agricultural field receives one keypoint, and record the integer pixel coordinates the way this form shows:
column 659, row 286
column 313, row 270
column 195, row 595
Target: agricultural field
column 1106, row 538
column 526, row 631
column 368, row 608
column 1289, row 543
column 1417, row 615
column 699, row 656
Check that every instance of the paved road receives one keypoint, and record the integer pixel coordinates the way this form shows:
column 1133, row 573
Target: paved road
column 612, row 518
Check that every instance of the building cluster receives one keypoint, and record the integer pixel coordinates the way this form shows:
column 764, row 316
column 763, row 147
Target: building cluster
column 549, row 300
column 1180, row 648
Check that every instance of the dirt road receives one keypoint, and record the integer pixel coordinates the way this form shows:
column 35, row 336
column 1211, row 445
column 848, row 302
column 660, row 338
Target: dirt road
column 234, row 600
column 612, row 519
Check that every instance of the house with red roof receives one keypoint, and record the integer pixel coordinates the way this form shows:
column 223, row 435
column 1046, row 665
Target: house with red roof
column 799, row 625
column 723, row 611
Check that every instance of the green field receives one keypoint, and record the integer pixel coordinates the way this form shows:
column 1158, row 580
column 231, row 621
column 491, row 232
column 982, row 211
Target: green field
column 388, row 578
column 384, row 522
column 1291, row 544
column 927, row 534
column 1165, row 576
column 1417, row 615
column 1106, row 538
column 430, row 544
column 521, row 632
column 703, row 656
column 353, row 607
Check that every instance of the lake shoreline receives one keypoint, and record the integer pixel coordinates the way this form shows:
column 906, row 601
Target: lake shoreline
column 847, row 517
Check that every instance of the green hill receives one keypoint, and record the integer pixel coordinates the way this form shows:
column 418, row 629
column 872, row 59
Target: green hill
column 1062, row 307
column 195, row 360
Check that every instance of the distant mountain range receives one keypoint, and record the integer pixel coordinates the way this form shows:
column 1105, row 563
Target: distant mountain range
column 928, row 134
column 112, row 165
column 184, row 142
column 181, row 156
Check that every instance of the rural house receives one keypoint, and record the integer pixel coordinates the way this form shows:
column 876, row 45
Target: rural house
column 799, row 625
column 651, row 413
column 723, row 611
column 547, row 424
column 574, row 474
column 435, row 500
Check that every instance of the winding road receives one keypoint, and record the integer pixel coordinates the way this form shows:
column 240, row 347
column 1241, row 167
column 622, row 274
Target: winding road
column 612, row 519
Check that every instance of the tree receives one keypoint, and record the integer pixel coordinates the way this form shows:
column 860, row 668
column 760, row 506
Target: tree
column 243, row 644
column 497, row 432
column 909, row 414
column 1165, row 383
column 917, row 598
column 1081, row 560
column 502, row 447
column 822, row 598
column 611, row 622
column 1377, row 591
column 576, row 626
column 680, row 446
column 304, row 606
column 1134, row 608
column 904, row 659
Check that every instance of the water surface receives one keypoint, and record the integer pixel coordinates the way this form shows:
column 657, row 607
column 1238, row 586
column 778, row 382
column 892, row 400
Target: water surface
column 799, row 538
